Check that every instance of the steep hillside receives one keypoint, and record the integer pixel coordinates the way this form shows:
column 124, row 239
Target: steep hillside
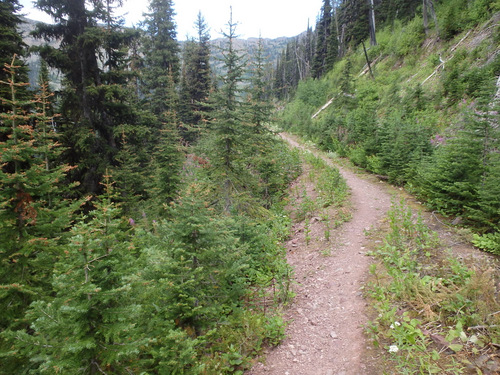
column 425, row 116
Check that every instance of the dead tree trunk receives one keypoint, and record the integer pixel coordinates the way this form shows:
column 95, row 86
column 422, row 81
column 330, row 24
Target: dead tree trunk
column 428, row 7
column 373, row 37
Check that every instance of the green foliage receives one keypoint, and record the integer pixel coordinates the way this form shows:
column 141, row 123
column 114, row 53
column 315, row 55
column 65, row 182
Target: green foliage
column 441, row 296
column 34, row 212
column 457, row 15
column 12, row 48
column 87, row 322
column 199, row 268
column 161, row 60
column 403, row 126
column 489, row 242
column 196, row 83
column 403, row 144
column 94, row 101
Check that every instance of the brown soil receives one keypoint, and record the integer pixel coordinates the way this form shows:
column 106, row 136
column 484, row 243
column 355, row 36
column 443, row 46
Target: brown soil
column 325, row 332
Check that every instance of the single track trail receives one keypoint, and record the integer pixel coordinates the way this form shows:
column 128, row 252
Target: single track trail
column 325, row 334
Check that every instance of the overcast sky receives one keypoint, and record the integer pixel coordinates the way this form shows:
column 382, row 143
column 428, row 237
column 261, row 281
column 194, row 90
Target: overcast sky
column 269, row 18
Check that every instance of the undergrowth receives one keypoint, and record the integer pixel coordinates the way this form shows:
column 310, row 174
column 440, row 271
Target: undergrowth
column 434, row 314
column 330, row 192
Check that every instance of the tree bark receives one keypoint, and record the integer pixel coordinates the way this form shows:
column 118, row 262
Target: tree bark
column 373, row 37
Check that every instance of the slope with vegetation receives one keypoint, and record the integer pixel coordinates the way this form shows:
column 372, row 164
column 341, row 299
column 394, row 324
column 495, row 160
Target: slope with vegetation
column 417, row 105
column 423, row 113
column 141, row 218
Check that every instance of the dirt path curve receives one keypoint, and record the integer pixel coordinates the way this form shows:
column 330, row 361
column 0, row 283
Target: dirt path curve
column 325, row 332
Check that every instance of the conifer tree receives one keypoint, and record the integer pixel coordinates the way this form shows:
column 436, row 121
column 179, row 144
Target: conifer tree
column 323, row 31
column 260, row 106
column 196, row 82
column 486, row 210
column 353, row 20
column 34, row 214
column 332, row 42
column 160, row 49
column 11, row 43
column 87, row 324
column 229, row 131
column 167, row 157
column 450, row 181
column 194, row 278
column 93, row 101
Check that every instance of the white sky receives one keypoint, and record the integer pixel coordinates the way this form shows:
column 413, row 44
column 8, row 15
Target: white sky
column 269, row 18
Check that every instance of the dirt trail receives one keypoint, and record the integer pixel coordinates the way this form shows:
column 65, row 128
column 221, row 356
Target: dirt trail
column 325, row 331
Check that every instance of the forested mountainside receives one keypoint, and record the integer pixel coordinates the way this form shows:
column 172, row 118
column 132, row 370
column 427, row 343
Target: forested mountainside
column 142, row 210
column 271, row 50
column 418, row 104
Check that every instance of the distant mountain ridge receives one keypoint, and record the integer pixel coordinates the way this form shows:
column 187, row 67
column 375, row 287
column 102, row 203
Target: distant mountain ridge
column 271, row 50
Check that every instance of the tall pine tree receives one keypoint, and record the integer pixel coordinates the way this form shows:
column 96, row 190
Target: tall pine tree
column 228, row 130
column 93, row 104
column 161, row 55
column 196, row 83
column 323, row 32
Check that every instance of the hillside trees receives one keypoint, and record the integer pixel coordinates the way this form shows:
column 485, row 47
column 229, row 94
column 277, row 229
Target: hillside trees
column 440, row 140
column 11, row 44
column 161, row 60
column 196, row 82
column 94, row 102
column 34, row 210
column 323, row 32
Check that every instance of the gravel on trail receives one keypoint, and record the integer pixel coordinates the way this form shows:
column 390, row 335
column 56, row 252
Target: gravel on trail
column 325, row 334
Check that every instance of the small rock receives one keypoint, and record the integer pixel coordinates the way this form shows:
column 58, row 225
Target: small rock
column 334, row 335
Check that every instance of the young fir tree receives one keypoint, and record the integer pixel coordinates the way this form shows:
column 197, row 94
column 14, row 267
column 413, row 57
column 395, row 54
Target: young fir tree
column 86, row 325
column 160, row 50
column 194, row 277
column 167, row 157
column 263, row 150
column 11, row 43
column 260, row 106
column 196, row 82
column 486, row 210
column 34, row 214
column 450, row 180
column 229, row 132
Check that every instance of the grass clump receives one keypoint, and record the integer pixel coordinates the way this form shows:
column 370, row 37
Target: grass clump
column 433, row 314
